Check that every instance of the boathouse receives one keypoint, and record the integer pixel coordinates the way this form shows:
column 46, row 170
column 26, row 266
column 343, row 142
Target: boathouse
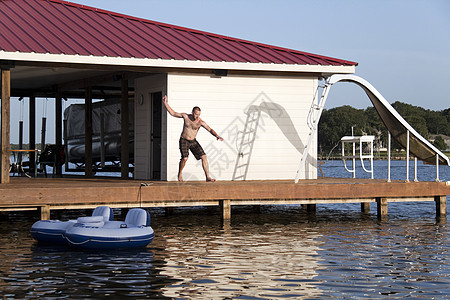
column 256, row 96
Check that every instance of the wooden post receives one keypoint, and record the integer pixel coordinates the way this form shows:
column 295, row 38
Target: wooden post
column 365, row 207
column 88, row 132
column 124, row 154
column 5, row 124
column 225, row 207
column 311, row 208
column 441, row 205
column 20, row 134
column 66, row 162
column 102, row 140
column 45, row 212
column 382, row 208
column 32, row 133
column 58, row 129
column 43, row 132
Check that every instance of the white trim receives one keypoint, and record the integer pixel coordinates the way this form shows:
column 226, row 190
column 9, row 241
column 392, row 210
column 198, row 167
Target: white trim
column 164, row 63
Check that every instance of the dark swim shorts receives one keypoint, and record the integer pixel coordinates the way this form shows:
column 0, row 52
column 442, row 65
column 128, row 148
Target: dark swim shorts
column 194, row 146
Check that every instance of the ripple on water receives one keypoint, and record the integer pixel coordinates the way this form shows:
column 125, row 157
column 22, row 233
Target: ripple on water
column 279, row 252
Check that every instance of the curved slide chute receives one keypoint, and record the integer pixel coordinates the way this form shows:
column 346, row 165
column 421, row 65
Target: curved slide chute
column 397, row 126
column 400, row 130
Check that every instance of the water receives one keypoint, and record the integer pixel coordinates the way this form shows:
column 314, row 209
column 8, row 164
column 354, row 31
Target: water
column 277, row 252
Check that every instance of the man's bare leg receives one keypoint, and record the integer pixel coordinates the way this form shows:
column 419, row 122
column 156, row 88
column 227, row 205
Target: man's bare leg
column 181, row 167
column 206, row 168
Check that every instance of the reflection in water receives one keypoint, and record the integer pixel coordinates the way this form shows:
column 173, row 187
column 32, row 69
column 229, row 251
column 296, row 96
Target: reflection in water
column 48, row 271
column 267, row 260
column 277, row 252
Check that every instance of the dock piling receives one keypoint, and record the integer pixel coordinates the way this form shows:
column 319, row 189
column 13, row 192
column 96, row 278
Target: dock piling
column 365, row 207
column 311, row 208
column 441, row 205
column 225, row 207
column 382, row 207
column 45, row 212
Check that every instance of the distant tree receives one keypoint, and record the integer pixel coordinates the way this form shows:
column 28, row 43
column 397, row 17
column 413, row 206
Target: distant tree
column 405, row 109
column 446, row 114
column 436, row 122
column 377, row 126
column 414, row 115
column 336, row 123
column 440, row 143
column 418, row 123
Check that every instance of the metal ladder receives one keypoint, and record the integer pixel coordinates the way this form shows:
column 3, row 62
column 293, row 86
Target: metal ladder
column 313, row 118
column 247, row 142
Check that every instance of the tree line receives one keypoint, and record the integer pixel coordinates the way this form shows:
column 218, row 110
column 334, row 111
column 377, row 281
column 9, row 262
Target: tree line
column 338, row 122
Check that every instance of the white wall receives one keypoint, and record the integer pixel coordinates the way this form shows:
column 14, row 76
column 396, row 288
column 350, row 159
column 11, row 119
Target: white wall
column 144, row 86
column 284, row 103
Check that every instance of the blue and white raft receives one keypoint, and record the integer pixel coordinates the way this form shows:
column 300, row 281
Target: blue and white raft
column 98, row 231
column 53, row 231
column 134, row 232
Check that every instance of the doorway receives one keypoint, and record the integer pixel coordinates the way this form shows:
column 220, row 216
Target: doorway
column 155, row 135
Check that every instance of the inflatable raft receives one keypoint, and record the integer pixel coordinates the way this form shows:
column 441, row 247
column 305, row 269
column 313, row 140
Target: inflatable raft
column 134, row 232
column 52, row 231
column 98, row 231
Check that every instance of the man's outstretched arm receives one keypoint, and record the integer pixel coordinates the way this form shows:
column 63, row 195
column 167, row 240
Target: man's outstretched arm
column 211, row 131
column 169, row 109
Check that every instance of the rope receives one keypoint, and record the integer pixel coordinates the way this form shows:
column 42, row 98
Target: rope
column 139, row 195
column 106, row 241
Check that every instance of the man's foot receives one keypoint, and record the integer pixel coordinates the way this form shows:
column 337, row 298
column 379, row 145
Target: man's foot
column 209, row 179
column 180, row 178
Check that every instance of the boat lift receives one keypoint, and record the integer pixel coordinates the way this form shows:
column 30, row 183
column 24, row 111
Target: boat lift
column 397, row 127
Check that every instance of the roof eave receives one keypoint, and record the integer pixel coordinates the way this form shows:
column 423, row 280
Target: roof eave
column 164, row 63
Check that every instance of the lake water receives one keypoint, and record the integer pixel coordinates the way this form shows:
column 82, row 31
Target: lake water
column 275, row 252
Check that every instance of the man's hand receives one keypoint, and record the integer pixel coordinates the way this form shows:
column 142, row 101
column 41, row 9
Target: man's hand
column 169, row 109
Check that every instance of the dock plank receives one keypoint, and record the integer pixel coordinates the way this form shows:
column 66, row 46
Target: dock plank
column 60, row 193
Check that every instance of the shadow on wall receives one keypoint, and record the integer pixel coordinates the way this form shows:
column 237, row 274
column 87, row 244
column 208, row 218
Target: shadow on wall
column 283, row 120
column 240, row 141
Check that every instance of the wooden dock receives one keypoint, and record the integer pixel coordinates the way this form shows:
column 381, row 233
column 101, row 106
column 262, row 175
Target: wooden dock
column 46, row 194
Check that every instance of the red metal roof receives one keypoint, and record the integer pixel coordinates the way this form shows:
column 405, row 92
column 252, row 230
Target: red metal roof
column 60, row 27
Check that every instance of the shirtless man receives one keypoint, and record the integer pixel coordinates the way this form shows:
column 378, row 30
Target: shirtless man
column 192, row 124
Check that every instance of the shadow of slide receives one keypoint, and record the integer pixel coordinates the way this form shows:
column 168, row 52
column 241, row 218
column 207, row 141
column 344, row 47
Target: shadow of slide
column 281, row 118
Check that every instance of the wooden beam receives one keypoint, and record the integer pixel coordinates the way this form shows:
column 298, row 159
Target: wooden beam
column 32, row 132
column 88, row 82
column 88, row 132
column 124, row 154
column 58, row 128
column 5, row 125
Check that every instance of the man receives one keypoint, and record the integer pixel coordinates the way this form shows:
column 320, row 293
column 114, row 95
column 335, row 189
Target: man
column 192, row 124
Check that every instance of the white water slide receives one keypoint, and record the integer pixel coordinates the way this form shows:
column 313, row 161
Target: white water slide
column 398, row 128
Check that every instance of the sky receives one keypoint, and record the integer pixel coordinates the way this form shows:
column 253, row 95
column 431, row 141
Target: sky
column 402, row 46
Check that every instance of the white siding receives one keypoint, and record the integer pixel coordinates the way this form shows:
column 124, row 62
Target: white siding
column 144, row 86
column 284, row 103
